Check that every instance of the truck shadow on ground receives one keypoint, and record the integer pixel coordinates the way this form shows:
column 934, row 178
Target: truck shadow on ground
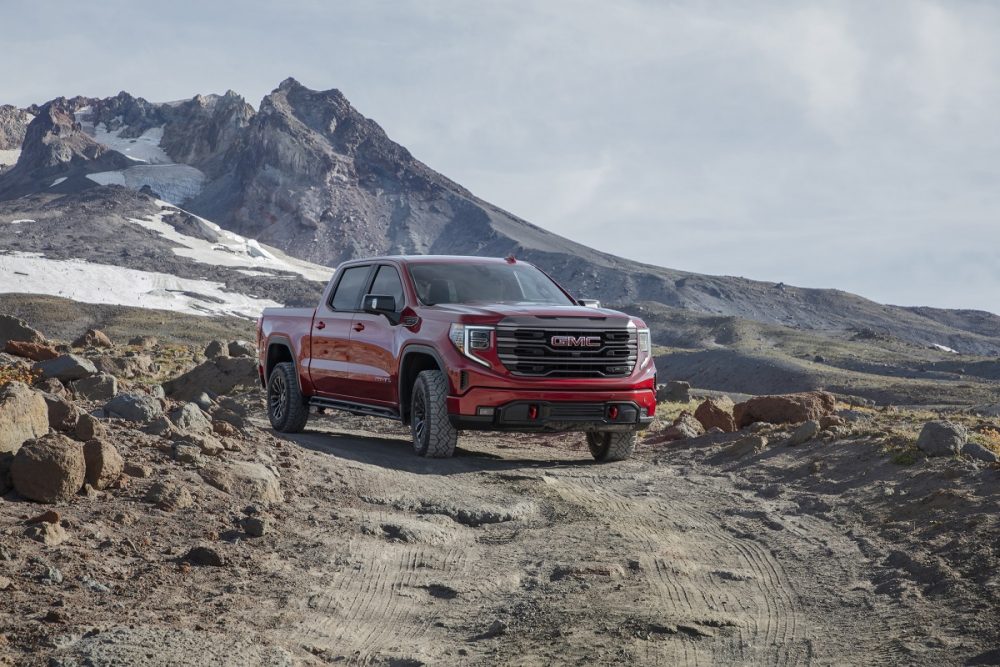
column 398, row 454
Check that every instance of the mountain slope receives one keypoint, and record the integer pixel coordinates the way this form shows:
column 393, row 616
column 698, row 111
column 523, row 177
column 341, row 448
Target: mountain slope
column 310, row 175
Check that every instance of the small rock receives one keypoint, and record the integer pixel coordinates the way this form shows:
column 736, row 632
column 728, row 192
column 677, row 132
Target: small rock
column 204, row 401
column 104, row 463
column 140, row 408
column 5, row 583
column 49, row 534
column 980, row 453
column 225, row 429
column 157, row 391
column 216, row 349
column 145, row 342
column 49, row 516
column 89, row 427
column 63, row 415
column 804, row 433
column 942, row 438
column 830, row 421
column 66, row 368
column 784, row 408
column 497, row 628
column 94, row 585
column 716, row 413
column 169, row 496
column 50, row 469
column 24, row 415
column 13, row 328
column 254, row 526
column 753, row 444
column 251, row 482
column 100, row 387
column 675, row 391
column 93, row 338
column 242, row 348
column 204, row 555
column 190, row 418
column 140, row 470
column 187, row 454
column 685, row 426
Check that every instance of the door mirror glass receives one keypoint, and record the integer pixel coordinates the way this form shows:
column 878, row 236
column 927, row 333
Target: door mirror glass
column 589, row 303
column 379, row 304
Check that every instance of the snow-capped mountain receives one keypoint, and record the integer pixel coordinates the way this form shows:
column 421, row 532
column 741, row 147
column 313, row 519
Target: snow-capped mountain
column 311, row 176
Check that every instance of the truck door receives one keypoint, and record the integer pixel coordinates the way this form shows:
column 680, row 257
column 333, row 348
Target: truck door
column 374, row 344
column 330, row 368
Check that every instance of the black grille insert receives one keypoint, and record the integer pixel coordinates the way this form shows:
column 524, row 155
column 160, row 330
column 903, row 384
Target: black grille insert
column 537, row 352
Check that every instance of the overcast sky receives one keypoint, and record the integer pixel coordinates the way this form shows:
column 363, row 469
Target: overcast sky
column 826, row 144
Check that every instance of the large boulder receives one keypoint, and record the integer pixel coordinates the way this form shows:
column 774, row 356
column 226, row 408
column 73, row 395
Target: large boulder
column 242, row 348
column 216, row 349
column 29, row 350
column 190, row 419
column 942, row 438
column 140, row 408
column 104, row 463
column 685, row 426
column 13, row 328
column 716, row 413
column 66, row 368
column 63, row 415
column 51, row 469
column 251, row 482
column 216, row 376
column 977, row 451
column 674, row 391
column 93, row 338
column 100, row 387
column 23, row 416
column 785, row 408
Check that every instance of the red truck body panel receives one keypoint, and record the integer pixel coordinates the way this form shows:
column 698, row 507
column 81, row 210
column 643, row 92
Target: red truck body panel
column 361, row 360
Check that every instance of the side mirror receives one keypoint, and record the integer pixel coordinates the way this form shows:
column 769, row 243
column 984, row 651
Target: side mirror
column 380, row 304
column 589, row 303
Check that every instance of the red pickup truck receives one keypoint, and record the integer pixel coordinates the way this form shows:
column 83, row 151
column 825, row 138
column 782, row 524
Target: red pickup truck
column 447, row 344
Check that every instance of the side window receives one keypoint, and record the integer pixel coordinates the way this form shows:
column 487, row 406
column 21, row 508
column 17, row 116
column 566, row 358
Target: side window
column 348, row 291
column 387, row 283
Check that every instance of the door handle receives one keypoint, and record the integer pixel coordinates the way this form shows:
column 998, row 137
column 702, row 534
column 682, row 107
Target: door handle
column 321, row 325
column 359, row 326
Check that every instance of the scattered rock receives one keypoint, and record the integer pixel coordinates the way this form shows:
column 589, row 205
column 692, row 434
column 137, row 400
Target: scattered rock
column 50, row 469
column 93, row 338
column 753, row 444
column 216, row 376
column 49, row 534
column 831, row 421
column 675, row 391
column 63, row 415
column 190, row 418
column 140, row 470
column 33, row 351
column 169, row 496
column 204, row 401
column 255, row 526
column 204, row 555
column 497, row 628
column 104, row 464
column 685, row 426
column 24, row 415
column 224, row 428
column 216, row 349
column 785, row 408
column 980, row 453
column 12, row 328
column 206, row 444
column 251, row 482
column 100, row 387
column 242, row 348
column 89, row 427
column 716, row 413
column 140, row 408
column 145, row 342
column 51, row 386
column 48, row 516
column 942, row 438
column 804, row 433
column 66, row 368
column 187, row 453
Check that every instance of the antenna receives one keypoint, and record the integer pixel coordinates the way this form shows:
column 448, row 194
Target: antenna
column 510, row 259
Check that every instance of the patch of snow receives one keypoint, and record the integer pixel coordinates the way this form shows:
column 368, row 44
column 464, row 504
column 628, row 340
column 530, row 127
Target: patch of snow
column 57, row 182
column 144, row 148
column 108, row 177
column 174, row 182
column 20, row 221
column 231, row 249
column 943, row 348
column 101, row 283
column 9, row 156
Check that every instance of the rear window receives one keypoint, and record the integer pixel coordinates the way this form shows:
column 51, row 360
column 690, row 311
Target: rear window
column 348, row 291
column 485, row 283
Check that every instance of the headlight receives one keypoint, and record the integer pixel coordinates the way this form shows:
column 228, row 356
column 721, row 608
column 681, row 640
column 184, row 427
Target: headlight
column 645, row 347
column 471, row 339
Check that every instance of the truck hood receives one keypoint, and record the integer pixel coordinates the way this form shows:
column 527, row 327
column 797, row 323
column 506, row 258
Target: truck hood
column 526, row 312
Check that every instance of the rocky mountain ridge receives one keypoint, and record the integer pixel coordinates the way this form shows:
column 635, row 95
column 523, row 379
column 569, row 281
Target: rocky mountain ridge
column 310, row 175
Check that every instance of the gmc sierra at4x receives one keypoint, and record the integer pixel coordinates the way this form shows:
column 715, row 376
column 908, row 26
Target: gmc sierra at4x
column 446, row 344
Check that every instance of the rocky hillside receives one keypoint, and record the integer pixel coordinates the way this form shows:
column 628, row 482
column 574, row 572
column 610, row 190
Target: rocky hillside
column 308, row 174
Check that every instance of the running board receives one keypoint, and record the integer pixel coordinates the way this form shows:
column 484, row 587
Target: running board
column 354, row 408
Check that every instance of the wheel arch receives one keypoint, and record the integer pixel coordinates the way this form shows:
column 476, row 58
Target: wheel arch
column 415, row 358
column 279, row 349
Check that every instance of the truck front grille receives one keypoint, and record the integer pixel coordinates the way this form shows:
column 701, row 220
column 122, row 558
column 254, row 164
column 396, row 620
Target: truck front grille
column 537, row 352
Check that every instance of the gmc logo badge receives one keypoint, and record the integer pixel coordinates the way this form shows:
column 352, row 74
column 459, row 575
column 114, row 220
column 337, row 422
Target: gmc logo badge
column 575, row 341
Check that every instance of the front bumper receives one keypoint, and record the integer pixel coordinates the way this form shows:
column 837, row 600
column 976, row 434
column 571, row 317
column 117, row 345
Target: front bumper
column 553, row 411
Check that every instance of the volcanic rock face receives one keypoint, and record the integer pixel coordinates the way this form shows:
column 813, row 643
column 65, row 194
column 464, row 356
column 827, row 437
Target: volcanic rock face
column 13, row 124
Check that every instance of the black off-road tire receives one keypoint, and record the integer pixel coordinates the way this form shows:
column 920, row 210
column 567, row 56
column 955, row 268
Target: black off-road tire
column 433, row 434
column 286, row 406
column 609, row 446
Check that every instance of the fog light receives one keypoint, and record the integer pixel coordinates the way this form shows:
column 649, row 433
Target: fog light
column 485, row 412
column 613, row 412
column 532, row 412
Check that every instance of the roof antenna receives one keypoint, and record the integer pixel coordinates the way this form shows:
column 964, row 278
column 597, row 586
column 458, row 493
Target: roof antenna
column 510, row 259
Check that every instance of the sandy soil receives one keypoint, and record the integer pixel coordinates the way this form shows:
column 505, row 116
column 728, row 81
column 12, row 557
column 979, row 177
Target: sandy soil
column 520, row 551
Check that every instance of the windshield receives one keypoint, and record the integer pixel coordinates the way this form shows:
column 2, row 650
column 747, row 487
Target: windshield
column 485, row 283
